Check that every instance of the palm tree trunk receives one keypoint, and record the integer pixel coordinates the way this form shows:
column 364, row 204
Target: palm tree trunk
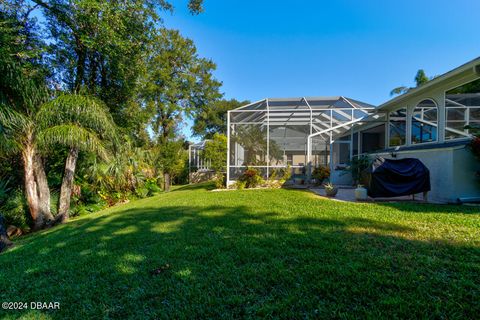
column 31, row 190
column 42, row 188
column 67, row 184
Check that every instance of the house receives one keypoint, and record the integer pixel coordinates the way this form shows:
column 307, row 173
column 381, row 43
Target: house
column 427, row 123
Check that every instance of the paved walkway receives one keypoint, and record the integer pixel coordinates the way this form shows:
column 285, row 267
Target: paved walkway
column 347, row 194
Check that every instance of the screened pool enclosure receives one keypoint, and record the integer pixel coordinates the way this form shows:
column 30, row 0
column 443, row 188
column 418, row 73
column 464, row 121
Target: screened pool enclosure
column 300, row 133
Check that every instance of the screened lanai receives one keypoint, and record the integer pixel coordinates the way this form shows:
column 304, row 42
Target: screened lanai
column 300, row 133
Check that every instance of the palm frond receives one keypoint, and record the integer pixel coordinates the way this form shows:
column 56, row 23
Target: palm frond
column 72, row 135
column 79, row 110
column 13, row 126
column 399, row 90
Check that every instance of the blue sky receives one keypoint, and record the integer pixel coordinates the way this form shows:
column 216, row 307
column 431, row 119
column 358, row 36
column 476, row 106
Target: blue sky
column 359, row 49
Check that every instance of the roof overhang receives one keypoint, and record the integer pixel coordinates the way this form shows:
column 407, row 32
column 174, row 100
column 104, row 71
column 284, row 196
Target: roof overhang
column 471, row 67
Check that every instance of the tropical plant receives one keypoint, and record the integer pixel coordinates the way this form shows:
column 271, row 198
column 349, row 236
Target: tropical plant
column 20, row 100
column 420, row 79
column 320, row 174
column 80, row 123
column 358, row 165
column 251, row 177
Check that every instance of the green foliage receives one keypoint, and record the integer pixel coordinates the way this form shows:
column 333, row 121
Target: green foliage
column 15, row 210
column 216, row 152
column 220, row 180
column 420, row 79
column 211, row 119
column 177, row 82
column 358, row 165
column 5, row 189
column 252, row 178
column 320, row 174
column 171, row 157
column 240, row 185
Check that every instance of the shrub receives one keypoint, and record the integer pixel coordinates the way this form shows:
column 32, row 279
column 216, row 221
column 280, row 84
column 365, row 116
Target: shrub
column 358, row 165
column 320, row 174
column 220, row 181
column 141, row 192
column 251, row 177
column 152, row 187
column 240, row 185
column 15, row 211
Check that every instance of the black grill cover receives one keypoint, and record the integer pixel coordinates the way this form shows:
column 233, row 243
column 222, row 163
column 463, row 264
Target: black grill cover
column 394, row 178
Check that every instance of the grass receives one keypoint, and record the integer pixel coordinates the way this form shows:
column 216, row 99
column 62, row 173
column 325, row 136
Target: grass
column 249, row 254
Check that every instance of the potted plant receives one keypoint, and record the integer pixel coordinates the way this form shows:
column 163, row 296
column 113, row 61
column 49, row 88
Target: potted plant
column 320, row 174
column 361, row 193
column 330, row 190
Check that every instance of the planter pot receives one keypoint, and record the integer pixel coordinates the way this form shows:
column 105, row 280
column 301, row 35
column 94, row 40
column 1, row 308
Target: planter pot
column 331, row 192
column 361, row 194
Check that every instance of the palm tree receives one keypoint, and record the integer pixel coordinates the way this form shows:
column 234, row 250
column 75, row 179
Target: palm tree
column 20, row 97
column 81, row 123
column 30, row 121
column 420, row 79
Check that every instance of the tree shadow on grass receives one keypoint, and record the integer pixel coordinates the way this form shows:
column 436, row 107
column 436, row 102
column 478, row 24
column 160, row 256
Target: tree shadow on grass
column 195, row 186
column 416, row 207
column 231, row 262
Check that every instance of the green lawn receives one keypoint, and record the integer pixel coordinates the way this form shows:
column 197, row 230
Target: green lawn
column 249, row 254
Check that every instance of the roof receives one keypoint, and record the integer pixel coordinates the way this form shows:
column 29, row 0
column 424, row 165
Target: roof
column 310, row 103
column 475, row 63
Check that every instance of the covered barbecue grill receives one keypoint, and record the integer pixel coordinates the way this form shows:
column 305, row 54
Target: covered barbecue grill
column 397, row 177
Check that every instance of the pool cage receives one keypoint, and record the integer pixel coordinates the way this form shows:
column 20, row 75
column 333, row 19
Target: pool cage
column 196, row 159
column 299, row 133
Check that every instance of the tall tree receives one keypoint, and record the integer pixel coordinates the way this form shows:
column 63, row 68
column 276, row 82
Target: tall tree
column 177, row 84
column 80, row 123
column 420, row 79
column 20, row 99
column 212, row 117
column 97, row 47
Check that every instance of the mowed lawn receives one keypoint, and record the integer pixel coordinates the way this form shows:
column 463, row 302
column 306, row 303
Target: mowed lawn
column 193, row 253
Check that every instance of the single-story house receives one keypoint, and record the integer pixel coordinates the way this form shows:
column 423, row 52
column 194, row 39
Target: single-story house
column 427, row 123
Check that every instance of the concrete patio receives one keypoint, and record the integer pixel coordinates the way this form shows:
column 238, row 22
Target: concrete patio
column 347, row 194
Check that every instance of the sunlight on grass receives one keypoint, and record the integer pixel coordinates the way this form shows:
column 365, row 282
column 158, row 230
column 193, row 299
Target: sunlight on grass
column 263, row 253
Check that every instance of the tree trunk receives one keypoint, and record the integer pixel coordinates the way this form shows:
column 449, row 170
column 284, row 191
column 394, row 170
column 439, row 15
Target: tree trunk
column 67, row 184
column 166, row 182
column 31, row 190
column 42, row 188
column 80, row 68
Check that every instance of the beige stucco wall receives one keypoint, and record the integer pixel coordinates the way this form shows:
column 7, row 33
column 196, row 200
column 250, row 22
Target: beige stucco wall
column 452, row 172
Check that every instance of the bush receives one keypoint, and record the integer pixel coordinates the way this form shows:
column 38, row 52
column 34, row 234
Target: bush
column 358, row 165
column 251, row 177
column 320, row 174
column 152, row 187
column 15, row 211
column 141, row 192
column 240, row 185
column 220, row 181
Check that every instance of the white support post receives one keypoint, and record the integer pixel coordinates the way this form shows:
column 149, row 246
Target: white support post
column 189, row 163
column 268, row 139
column 309, row 144
column 228, row 149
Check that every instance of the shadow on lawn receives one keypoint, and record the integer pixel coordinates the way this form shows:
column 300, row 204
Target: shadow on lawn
column 231, row 262
column 417, row 207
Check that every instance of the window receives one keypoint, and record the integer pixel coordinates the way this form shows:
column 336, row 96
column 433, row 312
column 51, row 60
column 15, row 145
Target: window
column 462, row 108
column 373, row 139
column 425, row 122
column 397, row 127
